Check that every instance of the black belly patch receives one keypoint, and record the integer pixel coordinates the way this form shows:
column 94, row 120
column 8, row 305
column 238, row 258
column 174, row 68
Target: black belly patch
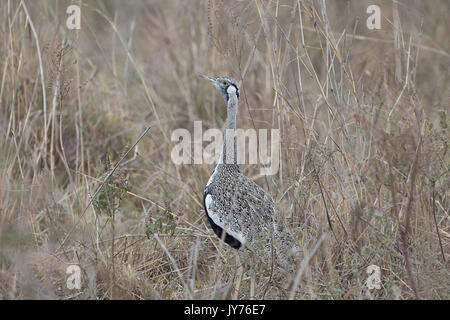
column 230, row 240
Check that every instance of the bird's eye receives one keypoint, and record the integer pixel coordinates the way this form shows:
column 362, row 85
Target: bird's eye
column 224, row 83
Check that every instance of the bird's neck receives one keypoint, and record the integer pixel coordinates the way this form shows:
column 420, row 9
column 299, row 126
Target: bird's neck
column 229, row 151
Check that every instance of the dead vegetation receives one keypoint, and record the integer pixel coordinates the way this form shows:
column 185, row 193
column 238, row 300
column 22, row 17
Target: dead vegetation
column 86, row 118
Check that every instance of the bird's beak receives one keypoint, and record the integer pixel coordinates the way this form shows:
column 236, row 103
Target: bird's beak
column 209, row 78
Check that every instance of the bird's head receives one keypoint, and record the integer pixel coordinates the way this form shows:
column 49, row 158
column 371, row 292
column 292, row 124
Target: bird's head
column 225, row 85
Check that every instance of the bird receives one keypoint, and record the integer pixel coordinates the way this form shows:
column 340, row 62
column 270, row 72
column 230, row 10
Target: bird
column 239, row 211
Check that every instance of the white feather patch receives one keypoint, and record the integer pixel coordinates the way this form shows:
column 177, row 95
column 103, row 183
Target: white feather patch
column 231, row 89
column 215, row 217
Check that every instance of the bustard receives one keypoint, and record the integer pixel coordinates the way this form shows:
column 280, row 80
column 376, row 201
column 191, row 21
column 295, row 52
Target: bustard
column 239, row 210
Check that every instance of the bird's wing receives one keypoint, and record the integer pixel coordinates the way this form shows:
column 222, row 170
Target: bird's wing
column 216, row 212
column 255, row 199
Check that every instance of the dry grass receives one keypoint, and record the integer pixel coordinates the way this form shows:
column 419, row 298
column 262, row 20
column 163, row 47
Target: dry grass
column 364, row 121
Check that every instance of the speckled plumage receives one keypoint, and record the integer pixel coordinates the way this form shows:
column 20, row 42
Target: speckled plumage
column 241, row 208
